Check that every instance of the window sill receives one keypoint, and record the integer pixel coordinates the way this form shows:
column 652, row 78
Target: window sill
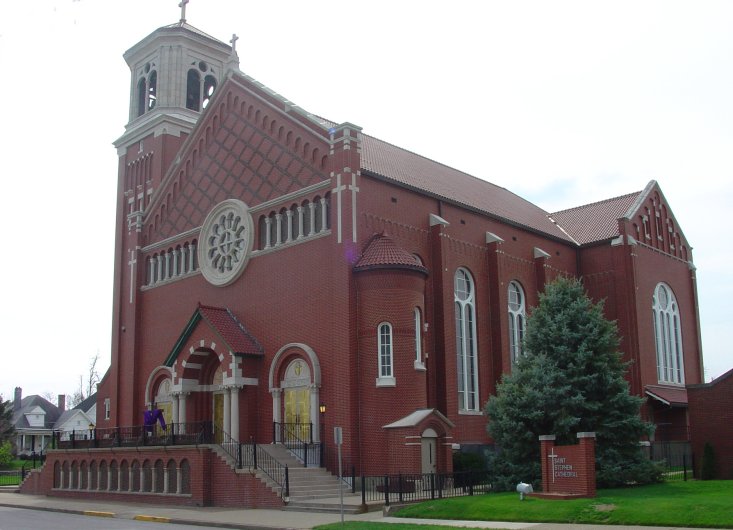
column 386, row 381
column 671, row 383
column 470, row 413
column 420, row 366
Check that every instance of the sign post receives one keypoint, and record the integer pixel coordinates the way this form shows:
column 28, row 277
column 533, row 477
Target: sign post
column 338, row 438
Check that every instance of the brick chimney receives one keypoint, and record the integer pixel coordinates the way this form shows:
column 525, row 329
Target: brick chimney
column 62, row 402
column 18, row 398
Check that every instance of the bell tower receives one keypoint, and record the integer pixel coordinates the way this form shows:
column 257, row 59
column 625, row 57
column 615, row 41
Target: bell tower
column 175, row 72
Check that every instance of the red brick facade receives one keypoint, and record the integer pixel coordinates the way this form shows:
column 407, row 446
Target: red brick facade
column 569, row 470
column 711, row 421
column 175, row 475
column 317, row 197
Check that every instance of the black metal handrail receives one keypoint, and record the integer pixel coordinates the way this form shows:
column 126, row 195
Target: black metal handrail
column 298, row 438
column 329, row 460
column 270, row 466
column 192, row 433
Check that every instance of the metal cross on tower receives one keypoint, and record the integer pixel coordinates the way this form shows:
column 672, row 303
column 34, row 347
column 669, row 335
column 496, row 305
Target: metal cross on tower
column 182, row 5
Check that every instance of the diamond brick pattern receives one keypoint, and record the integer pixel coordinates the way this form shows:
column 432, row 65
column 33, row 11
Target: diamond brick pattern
column 242, row 162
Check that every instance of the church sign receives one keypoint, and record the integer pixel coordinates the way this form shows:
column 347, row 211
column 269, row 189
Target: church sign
column 568, row 470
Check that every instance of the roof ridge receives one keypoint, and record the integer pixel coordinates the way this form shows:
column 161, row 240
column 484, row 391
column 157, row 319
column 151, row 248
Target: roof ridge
column 636, row 193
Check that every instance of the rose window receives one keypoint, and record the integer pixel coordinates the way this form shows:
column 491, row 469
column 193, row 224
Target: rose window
column 226, row 237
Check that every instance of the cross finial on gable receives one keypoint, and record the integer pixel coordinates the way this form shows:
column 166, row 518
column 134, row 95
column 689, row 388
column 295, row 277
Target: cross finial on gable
column 234, row 42
column 182, row 5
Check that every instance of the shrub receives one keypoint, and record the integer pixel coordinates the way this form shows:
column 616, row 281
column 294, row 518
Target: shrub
column 6, row 455
column 708, row 462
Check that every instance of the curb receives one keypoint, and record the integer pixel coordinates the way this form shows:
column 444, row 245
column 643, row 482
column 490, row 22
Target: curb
column 152, row 518
column 99, row 514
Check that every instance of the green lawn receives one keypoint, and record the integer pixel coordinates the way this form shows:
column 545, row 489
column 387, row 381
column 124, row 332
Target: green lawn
column 707, row 504
column 19, row 464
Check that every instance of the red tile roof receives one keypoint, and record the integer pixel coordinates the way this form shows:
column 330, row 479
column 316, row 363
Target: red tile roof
column 414, row 171
column 236, row 336
column 383, row 253
column 668, row 395
column 597, row 221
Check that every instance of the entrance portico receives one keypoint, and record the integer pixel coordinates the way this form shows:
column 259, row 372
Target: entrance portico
column 203, row 378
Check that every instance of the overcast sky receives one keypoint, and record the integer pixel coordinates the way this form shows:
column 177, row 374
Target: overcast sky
column 563, row 103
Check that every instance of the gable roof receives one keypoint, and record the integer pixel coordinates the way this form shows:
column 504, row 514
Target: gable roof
column 222, row 321
column 383, row 160
column 27, row 404
column 70, row 414
column 597, row 221
column 417, row 417
column 87, row 404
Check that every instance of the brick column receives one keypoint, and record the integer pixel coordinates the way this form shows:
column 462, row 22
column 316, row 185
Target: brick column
column 588, row 450
column 547, row 443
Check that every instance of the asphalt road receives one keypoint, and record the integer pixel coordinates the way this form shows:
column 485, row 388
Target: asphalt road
column 19, row 519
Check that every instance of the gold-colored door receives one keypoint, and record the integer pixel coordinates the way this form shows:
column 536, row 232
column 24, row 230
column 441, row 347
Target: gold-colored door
column 167, row 409
column 218, row 417
column 297, row 412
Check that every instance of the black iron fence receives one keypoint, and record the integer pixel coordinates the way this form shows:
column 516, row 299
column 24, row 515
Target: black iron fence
column 136, row 436
column 12, row 478
column 420, row 487
column 675, row 459
column 398, row 488
column 292, row 433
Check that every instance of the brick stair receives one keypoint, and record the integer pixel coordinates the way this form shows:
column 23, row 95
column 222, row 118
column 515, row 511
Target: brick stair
column 311, row 488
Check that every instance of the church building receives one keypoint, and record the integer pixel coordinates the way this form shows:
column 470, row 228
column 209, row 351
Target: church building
column 278, row 275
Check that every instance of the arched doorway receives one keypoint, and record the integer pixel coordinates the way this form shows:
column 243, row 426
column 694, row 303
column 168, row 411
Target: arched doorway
column 296, row 387
column 429, row 444
column 163, row 399
column 295, row 383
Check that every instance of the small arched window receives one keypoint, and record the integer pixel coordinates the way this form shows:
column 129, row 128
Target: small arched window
column 517, row 317
column 209, row 88
column 466, row 346
column 668, row 336
column 385, row 355
column 318, row 217
column 263, row 230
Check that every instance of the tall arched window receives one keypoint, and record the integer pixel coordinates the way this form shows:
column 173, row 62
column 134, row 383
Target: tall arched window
column 668, row 336
column 385, row 357
column 466, row 348
column 147, row 91
column 193, row 90
column 418, row 339
column 516, row 320
column 141, row 96
column 152, row 89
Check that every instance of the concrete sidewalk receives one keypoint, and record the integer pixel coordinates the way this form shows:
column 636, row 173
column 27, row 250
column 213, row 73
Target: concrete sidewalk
column 258, row 519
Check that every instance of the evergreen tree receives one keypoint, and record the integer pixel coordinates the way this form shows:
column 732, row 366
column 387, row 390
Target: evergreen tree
column 570, row 380
column 6, row 420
